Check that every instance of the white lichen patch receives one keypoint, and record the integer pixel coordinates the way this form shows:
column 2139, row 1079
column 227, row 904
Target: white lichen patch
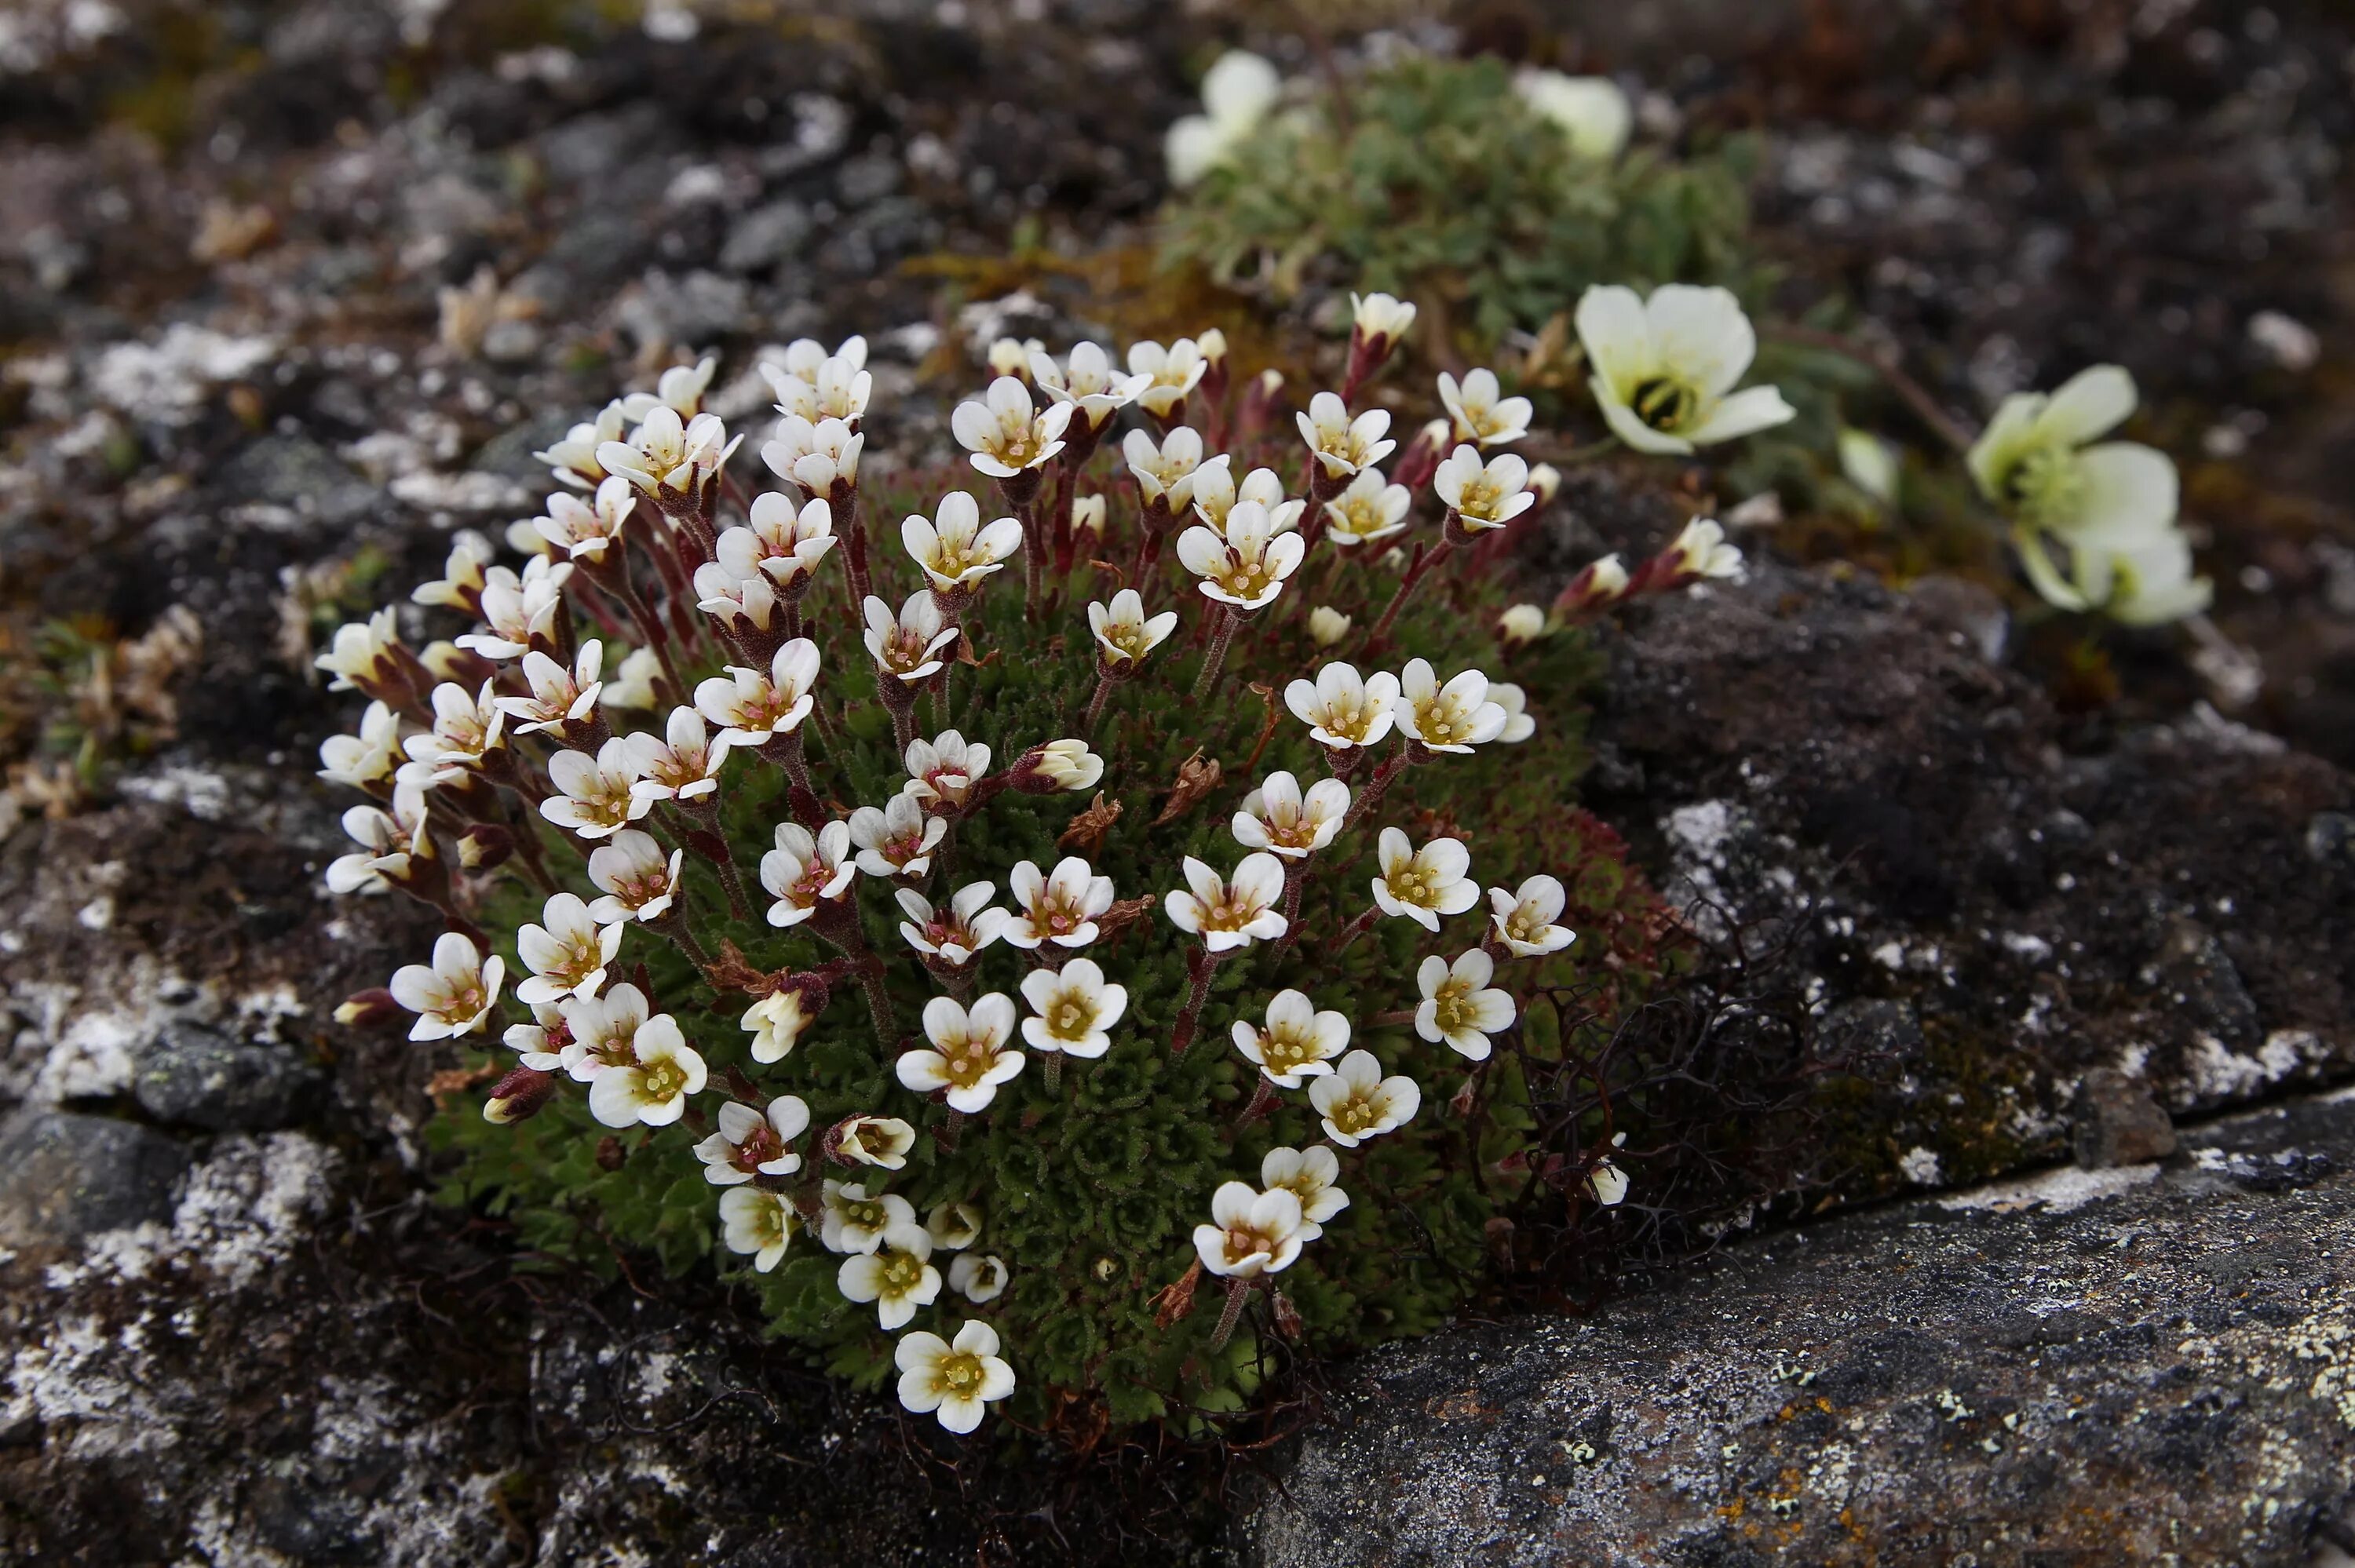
column 2059, row 1192
column 2215, row 1072
column 1919, row 1166
column 166, row 381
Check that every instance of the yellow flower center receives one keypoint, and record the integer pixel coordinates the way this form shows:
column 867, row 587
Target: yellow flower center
column 1242, row 1242
column 1664, row 403
column 1353, row 1115
column 961, row 1373
column 666, row 1080
column 2047, row 487
column 1452, row 1007
column 1412, row 885
column 903, row 1272
column 1286, row 1049
column 1524, row 925
column 1441, row 722
column 967, row 1059
column 1071, row 1018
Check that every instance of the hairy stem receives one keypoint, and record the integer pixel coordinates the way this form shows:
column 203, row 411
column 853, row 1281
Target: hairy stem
column 1238, row 1293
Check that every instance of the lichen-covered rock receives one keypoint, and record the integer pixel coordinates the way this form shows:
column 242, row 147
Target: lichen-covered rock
column 64, row 1177
column 198, row 1077
column 2136, row 1365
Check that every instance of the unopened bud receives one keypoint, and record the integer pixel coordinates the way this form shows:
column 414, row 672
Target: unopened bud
column 370, row 1009
column 486, row 846
column 1327, row 626
column 1058, row 766
column 519, row 1096
column 1088, row 515
column 1010, row 356
column 1545, row 482
column 1602, row 583
column 1521, row 624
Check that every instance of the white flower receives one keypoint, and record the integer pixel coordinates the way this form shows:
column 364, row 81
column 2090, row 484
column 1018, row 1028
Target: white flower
column 969, row 1057
column 1088, row 516
column 2148, row 585
column 854, row 1223
column 460, row 586
column 805, row 356
column 942, row 772
column 595, row 799
column 680, row 389
column 1248, row 567
column 1091, row 383
column 834, row 389
column 752, row 706
column 573, row 460
column 1455, row 717
column 465, row 729
column 815, row 456
column 1341, row 445
column 1068, row 765
column 1005, row 433
column 1327, row 626
column 670, row 461
column 1074, row 1007
column 958, row 1381
column 953, row 1227
column 631, row 689
column 1526, row 919
column 1124, row 632
column 953, row 549
column 1234, row 913
column 1484, row 495
column 1367, row 510
column 1358, row 1102
column 1060, row 906
column 652, row 1086
column 750, row 1143
column 1424, row 884
column 1011, row 355
column 601, row 1031
column 1590, row 111
column 1380, row 318
column 978, row 1279
column 1519, row 725
column 637, row 881
column 805, row 868
column 1700, row 551
column 1869, row 463
column 584, row 530
column 897, row 841
column 2042, row 459
column 757, row 1223
column 953, row 937
column 1277, row 817
column 683, row 764
column 1477, row 412
column 908, row 649
column 1665, row 369
column 567, row 953
column 1601, row 582
column 1521, row 624
column 368, row 758
column 1237, row 94
column 453, row 995
column 1172, row 372
column 1341, row 709
column 898, row 1277
column 364, row 653
column 1607, row 1180
column 1251, row 1233
column 519, row 611
column 1299, row 1042
column 787, row 545
column 1459, row 1006
column 776, row 1022
column 1168, row 472
column 878, row 1140
column 559, row 696
column 1216, row 495
column 539, row 1045
column 1308, row 1175
column 388, row 840
column 735, row 592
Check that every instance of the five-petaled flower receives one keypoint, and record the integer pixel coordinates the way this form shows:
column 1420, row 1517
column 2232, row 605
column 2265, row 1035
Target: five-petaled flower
column 559, row 696
column 680, row 389
column 898, row 1277
column 1380, row 321
column 1058, row 906
column 454, row 994
column 1591, row 111
column 595, row 795
column 463, row 578
column 637, row 880
column 1308, row 1175
column 367, row 760
column 1528, row 918
column 805, row 868
column 1088, row 381
column 942, row 771
column 1066, row 765
column 1251, row 1233
column 683, row 763
column 1358, row 1102
column 1343, row 709
column 567, row 953
column 878, row 1140
column 969, row 1055
column 1298, row 1042
column 956, row 935
column 674, row 464
column 1478, row 414
column 1700, row 551
column 1459, row 1006
column 1171, row 373
column 1006, row 432
column 952, row 546
column 652, row 1084
column 1455, row 717
column 1238, row 91
column 520, row 612
column 776, row 1022
column 1124, row 632
column 366, row 655
column 908, row 648
column 466, row 729
column 851, row 1222
column 1165, row 474
column 1216, row 495
column 1072, row 1009
column 978, row 1277
column 573, row 460
column 957, row 1380
column 953, row 1227
column 586, row 531
column 1279, row 818
column 1248, row 567
column 751, row 1143
column 1423, row 883
column 836, row 387
column 1483, row 495
column 753, row 706
column 759, row 1224
column 600, row 1031
column 1665, row 369
column 898, row 840
column 786, row 544
column 1232, row 912
column 1366, row 511
column 820, row 457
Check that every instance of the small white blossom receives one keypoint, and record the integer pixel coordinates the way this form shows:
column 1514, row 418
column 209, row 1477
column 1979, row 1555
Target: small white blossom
column 683, row 763
column 651, row 1086
column 1518, row 722
column 1238, row 94
column 363, row 654
column 559, row 696
column 601, row 1031
column 1424, row 884
column 1279, row 818
column 1381, row 317
column 1358, row 1102
column 1091, row 384
column 1088, row 516
column 1342, row 709
column 594, row 797
column 1607, row 1180
column 1233, row 912
column 1298, row 1042
column 466, row 730
column 567, row 953
column 882, row 1141
column 1367, row 511
column 1006, row 433
column 639, row 883
column 897, row 841
column 1074, row 1008
column 1251, row 1233
column 388, row 840
column 1453, row 719
column 751, row 1143
column 910, row 646
column 2042, row 459
column 759, row 1224
column 1521, row 624
column 953, row 549
column 1060, row 906
column 2149, row 585
column 463, row 578
column 957, row 1381
column 815, row 456
column 834, row 389
column 680, row 389
column 1665, row 369
column 539, row 1045
column 854, row 1222
column 1216, row 495
column 669, row 461
column 786, row 544
column 953, row 936
column 969, row 1055
column 1169, row 470
column 805, row 868
column 1068, row 765
column 454, row 994
column 370, row 757
column 573, row 460
column 631, row 689
column 1343, row 446
column 805, row 356
column 518, row 612
column 1171, row 373
column 1484, row 495
column 942, row 771
column 977, row 1277
column 1124, row 632
column 1478, row 414
column 1308, row 1175
column 1591, row 111
column 585, row 530
column 1459, row 1006
column 1526, row 919
column 1327, row 626
column 735, row 592
column 1248, row 567
column 953, row 1227
column 1700, row 551
column 752, row 706
column 1011, row 355
column 776, row 1022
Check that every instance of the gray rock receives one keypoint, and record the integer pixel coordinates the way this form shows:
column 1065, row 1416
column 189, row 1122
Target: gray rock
column 765, row 236
column 2114, row 1121
column 64, row 1176
column 668, row 311
column 2127, row 1366
column 297, row 474
column 197, row 1077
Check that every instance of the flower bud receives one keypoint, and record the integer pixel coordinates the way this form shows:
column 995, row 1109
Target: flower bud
column 486, row 846
column 370, row 1009
column 1602, row 583
column 463, row 666
column 1011, row 356
column 1545, row 482
column 1419, row 461
column 1088, row 516
column 1213, row 346
column 883, row 1140
column 1521, row 624
column 1327, row 626
column 1057, row 766
column 519, row 1096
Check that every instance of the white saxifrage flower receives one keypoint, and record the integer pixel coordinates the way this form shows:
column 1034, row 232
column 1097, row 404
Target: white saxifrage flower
column 952, row 546
column 776, row 1022
column 953, row 1227
column 1343, row 709
column 1073, row 1008
column 650, row 1087
column 1011, row 355
column 370, row 757
column 1665, row 369
column 910, row 646
column 364, row 654
column 1058, row 906
column 1343, row 446
column 2043, row 460
column 1308, row 1175
column 942, row 771
column 567, row 953
column 539, row 1045
column 1232, row 912
column 559, row 696
column 585, row 530
column 978, row 1279
column 1124, row 632
column 836, row 388
column 955, row 935
column 1459, row 1006
column 454, row 994
column 1216, row 496
column 1248, row 567
column 751, row 1143
column 805, row 868
column 1091, row 383
column 1527, row 920
column 733, row 591
column 898, row 1277
column 819, row 457
column 969, row 1055
column 683, row 763
column 1171, row 373
column 1251, row 1233
column 2149, row 585
column 1327, row 626
column 1518, row 722
column 1366, row 511
column 1169, row 472
column 1358, row 1102
column 1483, row 495
column 519, row 612
column 1700, row 551
column 1521, row 624
column 1278, row 818
column 1006, row 433
column 672, row 464
column 463, row 578
column 786, row 544
column 1478, row 414
column 573, row 460
column 680, row 389
column 882, row 1141
column 897, row 841
column 806, row 357
column 757, row 1223
column 1607, row 1180
column 466, row 730
column 1298, row 1042
column 1455, row 717
column 854, row 1222
column 1380, row 321
column 958, row 1380
column 594, row 798
column 601, row 1031
column 751, row 707
column 1591, row 111
column 1068, row 765
column 1239, row 92
column 1424, row 884
column 637, row 880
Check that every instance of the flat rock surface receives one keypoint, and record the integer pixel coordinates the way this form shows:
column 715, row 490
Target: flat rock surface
column 2147, row 1364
